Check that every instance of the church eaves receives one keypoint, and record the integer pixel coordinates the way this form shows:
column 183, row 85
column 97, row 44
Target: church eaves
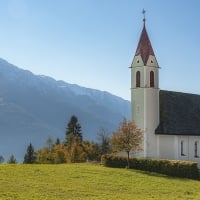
column 144, row 48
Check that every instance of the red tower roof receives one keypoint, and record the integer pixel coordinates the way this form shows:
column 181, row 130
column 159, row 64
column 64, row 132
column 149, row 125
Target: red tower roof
column 144, row 48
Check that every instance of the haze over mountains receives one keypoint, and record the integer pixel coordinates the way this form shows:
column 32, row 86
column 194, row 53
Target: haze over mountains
column 33, row 107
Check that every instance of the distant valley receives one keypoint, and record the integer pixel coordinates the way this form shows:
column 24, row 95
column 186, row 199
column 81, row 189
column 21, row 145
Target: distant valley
column 33, row 107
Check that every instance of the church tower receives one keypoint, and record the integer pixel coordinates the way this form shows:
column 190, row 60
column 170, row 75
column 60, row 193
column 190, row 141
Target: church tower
column 145, row 92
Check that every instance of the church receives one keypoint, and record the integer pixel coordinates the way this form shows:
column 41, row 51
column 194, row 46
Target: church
column 170, row 121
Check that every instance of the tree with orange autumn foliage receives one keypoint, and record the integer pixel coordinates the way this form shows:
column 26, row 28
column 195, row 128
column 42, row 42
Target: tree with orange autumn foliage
column 127, row 138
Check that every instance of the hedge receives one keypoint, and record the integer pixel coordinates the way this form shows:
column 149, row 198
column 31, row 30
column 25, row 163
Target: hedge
column 175, row 168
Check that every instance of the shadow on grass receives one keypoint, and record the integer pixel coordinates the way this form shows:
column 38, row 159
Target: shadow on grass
column 154, row 174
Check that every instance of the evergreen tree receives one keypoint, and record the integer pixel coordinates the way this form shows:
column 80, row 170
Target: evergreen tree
column 30, row 156
column 1, row 159
column 73, row 132
column 74, row 141
column 57, row 141
column 12, row 160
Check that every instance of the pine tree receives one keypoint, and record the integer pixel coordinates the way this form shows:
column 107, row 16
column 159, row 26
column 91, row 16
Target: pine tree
column 1, row 159
column 73, row 132
column 12, row 160
column 74, row 141
column 30, row 156
column 57, row 141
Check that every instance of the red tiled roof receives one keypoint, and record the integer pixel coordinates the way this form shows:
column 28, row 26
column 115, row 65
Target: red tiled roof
column 144, row 46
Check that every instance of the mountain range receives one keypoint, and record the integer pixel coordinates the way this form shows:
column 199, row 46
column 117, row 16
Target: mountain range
column 33, row 107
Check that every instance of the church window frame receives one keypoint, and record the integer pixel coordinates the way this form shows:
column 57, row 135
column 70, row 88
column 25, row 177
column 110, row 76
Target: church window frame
column 196, row 149
column 138, row 79
column 182, row 148
column 152, row 81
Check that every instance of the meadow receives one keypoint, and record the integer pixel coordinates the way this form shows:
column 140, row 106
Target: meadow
column 90, row 181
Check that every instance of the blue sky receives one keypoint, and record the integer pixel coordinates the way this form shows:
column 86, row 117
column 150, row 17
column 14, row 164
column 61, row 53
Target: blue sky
column 92, row 42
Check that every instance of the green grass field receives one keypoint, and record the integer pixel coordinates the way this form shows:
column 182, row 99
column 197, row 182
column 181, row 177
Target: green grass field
column 88, row 181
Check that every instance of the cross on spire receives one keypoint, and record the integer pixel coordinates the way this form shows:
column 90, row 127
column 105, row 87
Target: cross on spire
column 143, row 12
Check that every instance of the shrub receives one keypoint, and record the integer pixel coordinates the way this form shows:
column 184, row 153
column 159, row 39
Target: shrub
column 174, row 168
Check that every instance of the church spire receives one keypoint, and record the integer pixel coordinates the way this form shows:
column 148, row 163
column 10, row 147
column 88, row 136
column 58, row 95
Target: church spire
column 144, row 48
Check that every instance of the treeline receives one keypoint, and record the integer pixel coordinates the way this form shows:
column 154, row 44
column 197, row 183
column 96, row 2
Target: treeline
column 73, row 149
column 11, row 160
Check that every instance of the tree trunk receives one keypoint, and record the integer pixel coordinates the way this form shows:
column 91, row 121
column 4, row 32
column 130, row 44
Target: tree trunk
column 128, row 163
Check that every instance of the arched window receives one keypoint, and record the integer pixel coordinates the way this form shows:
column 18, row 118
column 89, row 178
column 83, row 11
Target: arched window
column 196, row 149
column 138, row 79
column 151, row 79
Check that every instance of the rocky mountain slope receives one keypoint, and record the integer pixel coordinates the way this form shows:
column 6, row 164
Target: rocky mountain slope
column 34, row 107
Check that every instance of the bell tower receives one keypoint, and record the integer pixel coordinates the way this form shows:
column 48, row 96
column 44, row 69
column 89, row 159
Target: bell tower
column 145, row 92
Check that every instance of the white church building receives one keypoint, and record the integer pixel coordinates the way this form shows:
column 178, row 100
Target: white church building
column 169, row 120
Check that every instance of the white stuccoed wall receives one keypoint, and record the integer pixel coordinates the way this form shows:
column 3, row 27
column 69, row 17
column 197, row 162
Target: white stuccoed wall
column 170, row 147
column 145, row 103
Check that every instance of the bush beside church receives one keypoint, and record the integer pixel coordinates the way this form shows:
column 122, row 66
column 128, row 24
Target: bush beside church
column 175, row 168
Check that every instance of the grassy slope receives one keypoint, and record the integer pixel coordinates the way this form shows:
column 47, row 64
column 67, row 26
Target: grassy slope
column 86, row 181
